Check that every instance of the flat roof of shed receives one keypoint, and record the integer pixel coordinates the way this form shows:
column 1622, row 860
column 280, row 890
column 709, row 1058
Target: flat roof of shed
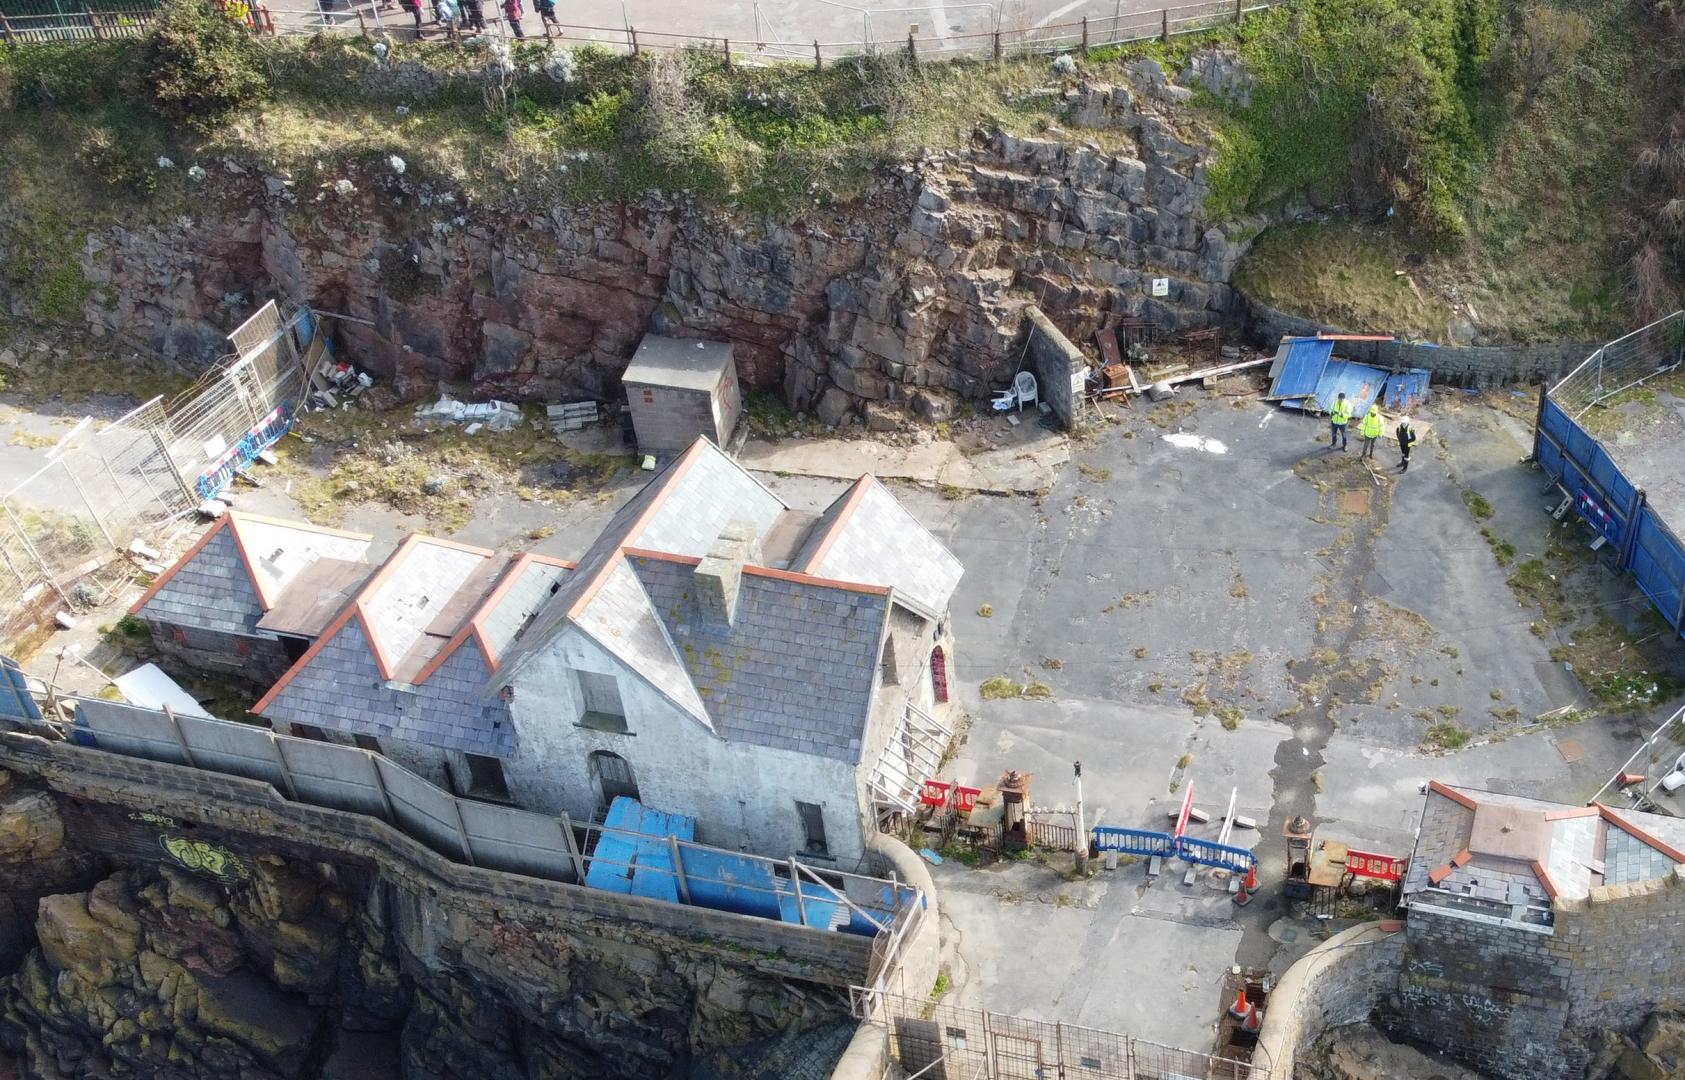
column 678, row 362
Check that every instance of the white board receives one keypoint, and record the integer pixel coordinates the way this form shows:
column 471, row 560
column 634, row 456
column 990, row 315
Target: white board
column 148, row 687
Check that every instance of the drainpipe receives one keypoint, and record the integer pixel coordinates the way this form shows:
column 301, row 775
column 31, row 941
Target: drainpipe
column 1082, row 829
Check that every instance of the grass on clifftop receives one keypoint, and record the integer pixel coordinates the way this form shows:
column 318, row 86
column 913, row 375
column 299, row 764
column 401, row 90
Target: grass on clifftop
column 1540, row 190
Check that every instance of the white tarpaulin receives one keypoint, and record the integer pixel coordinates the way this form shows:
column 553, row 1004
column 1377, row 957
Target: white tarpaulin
column 148, row 687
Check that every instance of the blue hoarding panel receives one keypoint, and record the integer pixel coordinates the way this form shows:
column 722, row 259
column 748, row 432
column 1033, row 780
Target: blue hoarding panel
column 1302, row 368
column 633, row 854
column 15, row 700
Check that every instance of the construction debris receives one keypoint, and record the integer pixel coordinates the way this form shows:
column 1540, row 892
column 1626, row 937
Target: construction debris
column 495, row 415
column 570, row 415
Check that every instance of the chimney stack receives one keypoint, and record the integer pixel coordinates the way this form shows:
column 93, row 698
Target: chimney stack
column 716, row 579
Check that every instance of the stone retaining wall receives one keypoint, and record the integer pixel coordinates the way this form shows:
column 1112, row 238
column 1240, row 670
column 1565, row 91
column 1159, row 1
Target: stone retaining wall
column 1476, row 366
column 1059, row 366
column 1341, row 981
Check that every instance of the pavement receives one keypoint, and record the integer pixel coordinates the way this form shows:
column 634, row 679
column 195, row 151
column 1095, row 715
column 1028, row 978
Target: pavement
column 1022, row 460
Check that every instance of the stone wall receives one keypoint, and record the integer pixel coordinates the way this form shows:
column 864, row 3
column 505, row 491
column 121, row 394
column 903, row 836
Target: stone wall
column 1522, row 1003
column 462, row 971
column 1476, row 366
column 1339, row 982
column 1060, row 368
column 911, row 295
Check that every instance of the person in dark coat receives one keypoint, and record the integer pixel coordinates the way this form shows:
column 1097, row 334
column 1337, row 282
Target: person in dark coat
column 473, row 17
column 1406, row 439
column 547, row 13
column 512, row 11
column 414, row 8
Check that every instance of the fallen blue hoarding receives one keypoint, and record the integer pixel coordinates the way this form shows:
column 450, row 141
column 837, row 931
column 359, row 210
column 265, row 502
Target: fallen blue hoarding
column 1308, row 377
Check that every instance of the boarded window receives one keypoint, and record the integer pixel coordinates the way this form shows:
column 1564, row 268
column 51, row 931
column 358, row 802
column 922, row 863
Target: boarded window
column 602, row 707
column 367, row 742
column 889, row 675
column 813, row 828
column 612, row 776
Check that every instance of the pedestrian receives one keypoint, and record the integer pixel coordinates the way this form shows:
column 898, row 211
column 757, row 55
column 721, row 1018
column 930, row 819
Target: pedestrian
column 414, row 8
column 1338, row 417
column 473, row 17
column 445, row 13
column 1371, row 429
column 1406, row 439
column 547, row 15
column 512, row 11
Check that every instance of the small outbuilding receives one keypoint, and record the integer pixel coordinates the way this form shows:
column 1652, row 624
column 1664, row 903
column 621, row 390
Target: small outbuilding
column 679, row 389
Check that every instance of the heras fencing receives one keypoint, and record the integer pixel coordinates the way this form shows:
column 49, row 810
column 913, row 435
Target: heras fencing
column 749, row 39
column 1582, row 469
column 92, row 517
column 950, row 1042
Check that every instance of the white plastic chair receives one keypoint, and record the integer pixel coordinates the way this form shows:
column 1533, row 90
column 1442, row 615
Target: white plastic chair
column 1021, row 393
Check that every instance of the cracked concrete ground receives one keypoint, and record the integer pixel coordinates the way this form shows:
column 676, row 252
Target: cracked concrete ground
column 1179, row 588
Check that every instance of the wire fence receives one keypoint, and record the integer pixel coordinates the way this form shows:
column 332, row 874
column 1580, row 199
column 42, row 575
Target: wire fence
column 1653, row 778
column 958, row 1042
column 1622, row 364
column 747, row 43
column 93, row 516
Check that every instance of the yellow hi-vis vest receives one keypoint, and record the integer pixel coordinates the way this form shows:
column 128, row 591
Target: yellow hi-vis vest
column 1341, row 412
column 1371, row 428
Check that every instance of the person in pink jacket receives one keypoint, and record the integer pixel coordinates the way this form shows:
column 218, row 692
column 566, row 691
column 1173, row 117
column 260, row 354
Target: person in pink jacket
column 512, row 11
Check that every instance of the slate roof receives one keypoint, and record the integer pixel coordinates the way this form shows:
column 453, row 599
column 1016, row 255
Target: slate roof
column 1516, row 850
column 794, row 669
column 678, row 362
column 868, row 536
column 239, row 569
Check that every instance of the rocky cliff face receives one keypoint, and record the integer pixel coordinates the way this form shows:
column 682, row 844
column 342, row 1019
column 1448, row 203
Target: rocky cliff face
column 295, row 970
column 912, row 296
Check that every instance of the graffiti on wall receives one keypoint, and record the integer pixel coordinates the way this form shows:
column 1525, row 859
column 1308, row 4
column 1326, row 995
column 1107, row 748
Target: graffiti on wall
column 207, row 859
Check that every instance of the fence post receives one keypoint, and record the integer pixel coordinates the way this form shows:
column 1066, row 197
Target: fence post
column 997, row 45
column 380, row 786
column 818, row 57
column 462, row 831
column 181, row 740
column 679, row 869
column 573, row 848
column 362, row 25
column 47, row 574
column 1164, row 14
column 175, row 470
column 989, row 1047
column 1239, row 12
column 796, row 883
column 912, row 49
column 93, row 21
column 725, row 46
column 632, row 36
column 281, row 763
column 77, row 484
column 5, row 28
column 1082, row 50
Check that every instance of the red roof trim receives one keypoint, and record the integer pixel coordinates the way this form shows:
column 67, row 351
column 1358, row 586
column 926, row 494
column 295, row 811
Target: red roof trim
column 1544, row 879
column 1455, row 796
column 661, row 556
column 1639, row 834
column 1462, row 857
column 855, row 496
column 810, row 579
column 1439, row 874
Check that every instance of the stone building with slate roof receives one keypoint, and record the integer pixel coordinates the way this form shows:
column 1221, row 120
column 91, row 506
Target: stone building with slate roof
column 1533, row 926
column 212, row 610
column 717, row 654
column 402, row 668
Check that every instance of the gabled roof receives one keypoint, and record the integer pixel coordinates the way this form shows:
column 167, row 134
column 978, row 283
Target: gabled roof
column 681, row 511
column 796, row 666
column 867, row 535
column 397, row 607
column 1513, row 849
column 238, row 570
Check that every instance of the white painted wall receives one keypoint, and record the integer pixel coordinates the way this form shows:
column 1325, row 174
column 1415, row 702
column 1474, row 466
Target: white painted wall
column 742, row 796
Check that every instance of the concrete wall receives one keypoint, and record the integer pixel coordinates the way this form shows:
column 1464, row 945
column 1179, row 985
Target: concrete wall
column 670, row 419
column 260, row 661
column 1059, row 366
column 742, row 796
column 1517, row 1003
column 1339, row 982
column 1478, row 366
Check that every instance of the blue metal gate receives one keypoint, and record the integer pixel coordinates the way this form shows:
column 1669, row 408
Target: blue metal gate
column 1187, row 848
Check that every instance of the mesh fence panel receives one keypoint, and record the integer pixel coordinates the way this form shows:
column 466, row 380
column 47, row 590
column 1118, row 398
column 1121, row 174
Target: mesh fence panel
column 1622, row 364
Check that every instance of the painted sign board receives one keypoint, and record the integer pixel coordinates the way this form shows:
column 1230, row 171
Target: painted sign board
column 1366, row 864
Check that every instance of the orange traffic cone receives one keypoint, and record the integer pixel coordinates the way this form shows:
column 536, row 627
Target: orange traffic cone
column 1247, row 887
column 1253, row 1021
column 1242, row 1009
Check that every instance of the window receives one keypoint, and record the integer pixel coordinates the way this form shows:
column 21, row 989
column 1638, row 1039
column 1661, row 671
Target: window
column 601, row 695
column 367, row 742
column 485, row 778
column 309, row 731
column 939, row 674
column 813, row 828
column 887, row 668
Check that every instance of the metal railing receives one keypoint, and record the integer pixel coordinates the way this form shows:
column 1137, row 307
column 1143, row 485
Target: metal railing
column 1622, row 364
column 976, row 1042
column 495, row 837
column 110, row 20
column 743, row 44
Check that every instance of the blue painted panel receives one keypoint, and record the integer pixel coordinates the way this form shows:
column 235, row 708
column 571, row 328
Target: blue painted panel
column 1302, row 369
column 1405, row 390
column 633, row 855
column 1658, row 564
column 15, row 702
column 1211, row 853
column 1359, row 382
column 1134, row 841
column 727, row 882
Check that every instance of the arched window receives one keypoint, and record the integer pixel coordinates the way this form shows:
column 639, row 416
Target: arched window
column 611, row 775
column 939, row 674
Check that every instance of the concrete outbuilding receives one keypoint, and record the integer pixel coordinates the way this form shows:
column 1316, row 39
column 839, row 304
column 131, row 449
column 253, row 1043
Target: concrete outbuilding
column 679, row 389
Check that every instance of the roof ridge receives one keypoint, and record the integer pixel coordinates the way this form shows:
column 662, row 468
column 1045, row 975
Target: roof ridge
column 813, row 579
column 186, row 557
column 238, row 516
column 851, row 502
column 474, row 625
column 1638, row 833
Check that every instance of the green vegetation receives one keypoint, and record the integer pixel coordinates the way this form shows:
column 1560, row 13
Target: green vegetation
column 1479, row 508
column 1509, row 210
column 202, row 67
column 1446, row 735
column 999, row 686
column 1609, row 661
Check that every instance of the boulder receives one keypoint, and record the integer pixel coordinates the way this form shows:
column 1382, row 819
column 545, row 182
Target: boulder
column 834, row 407
column 279, row 1029
column 30, row 827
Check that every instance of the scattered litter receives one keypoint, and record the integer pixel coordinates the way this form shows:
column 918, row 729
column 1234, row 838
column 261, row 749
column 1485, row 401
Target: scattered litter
column 65, row 620
column 473, row 429
column 268, row 457
column 496, row 415
column 1189, row 441
column 1012, row 421
column 213, row 508
column 1159, row 391
column 648, row 463
column 141, row 551
column 1241, row 821
column 930, row 856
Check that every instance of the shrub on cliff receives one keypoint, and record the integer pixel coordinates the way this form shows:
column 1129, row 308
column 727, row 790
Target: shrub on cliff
column 201, row 66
